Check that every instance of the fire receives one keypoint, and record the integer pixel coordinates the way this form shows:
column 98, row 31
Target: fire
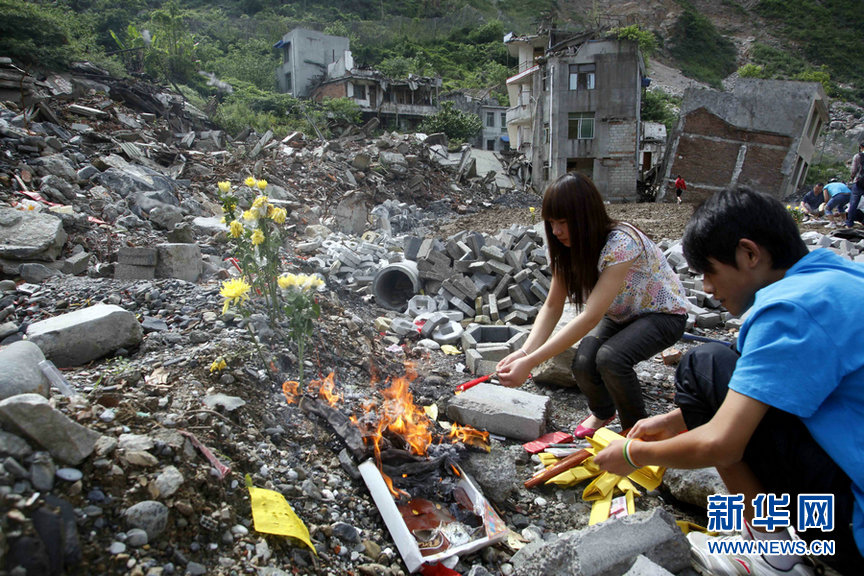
column 470, row 436
column 402, row 417
column 326, row 389
column 291, row 389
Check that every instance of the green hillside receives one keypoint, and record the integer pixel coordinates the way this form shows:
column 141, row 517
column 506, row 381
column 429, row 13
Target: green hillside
column 459, row 40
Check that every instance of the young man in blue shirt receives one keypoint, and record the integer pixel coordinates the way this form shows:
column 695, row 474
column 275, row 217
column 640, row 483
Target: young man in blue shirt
column 773, row 417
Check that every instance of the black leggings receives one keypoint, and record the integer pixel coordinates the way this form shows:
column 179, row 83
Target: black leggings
column 781, row 453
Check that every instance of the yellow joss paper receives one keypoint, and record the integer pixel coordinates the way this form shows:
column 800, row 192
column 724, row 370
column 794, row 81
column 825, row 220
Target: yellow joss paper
column 272, row 514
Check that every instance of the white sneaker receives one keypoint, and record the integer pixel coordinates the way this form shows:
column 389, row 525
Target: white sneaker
column 736, row 564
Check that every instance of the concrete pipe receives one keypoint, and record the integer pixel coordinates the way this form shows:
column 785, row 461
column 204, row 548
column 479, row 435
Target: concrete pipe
column 395, row 284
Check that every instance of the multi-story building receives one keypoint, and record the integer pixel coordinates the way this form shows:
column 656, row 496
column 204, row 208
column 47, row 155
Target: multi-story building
column 574, row 106
column 493, row 135
column 306, row 54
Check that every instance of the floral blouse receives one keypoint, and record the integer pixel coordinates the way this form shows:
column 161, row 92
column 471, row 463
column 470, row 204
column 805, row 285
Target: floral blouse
column 651, row 284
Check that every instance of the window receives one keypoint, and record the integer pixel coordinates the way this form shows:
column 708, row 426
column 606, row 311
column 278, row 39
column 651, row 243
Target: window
column 582, row 165
column 503, row 121
column 490, row 144
column 490, row 119
column 360, row 92
column 580, row 125
column 582, row 76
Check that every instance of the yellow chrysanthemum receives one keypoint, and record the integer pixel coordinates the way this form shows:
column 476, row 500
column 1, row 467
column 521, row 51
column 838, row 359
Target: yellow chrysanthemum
column 224, row 186
column 257, row 237
column 234, row 291
column 236, row 229
column 278, row 215
column 262, row 184
column 531, row 209
column 260, row 203
column 218, row 365
column 250, row 181
column 287, row 281
column 222, row 220
column 250, row 215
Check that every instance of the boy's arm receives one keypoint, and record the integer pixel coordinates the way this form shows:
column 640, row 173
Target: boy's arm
column 719, row 442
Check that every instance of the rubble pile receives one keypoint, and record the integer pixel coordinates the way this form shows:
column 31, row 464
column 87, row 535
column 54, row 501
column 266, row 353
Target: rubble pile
column 132, row 407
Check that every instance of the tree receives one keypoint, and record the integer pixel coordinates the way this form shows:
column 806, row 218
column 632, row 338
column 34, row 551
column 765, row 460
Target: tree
column 458, row 125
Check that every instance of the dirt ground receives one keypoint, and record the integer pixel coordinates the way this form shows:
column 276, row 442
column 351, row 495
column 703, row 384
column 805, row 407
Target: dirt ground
column 657, row 219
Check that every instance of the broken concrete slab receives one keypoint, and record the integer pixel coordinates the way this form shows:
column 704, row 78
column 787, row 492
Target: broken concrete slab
column 35, row 418
column 694, row 486
column 181, row 261
column 78, row 337
column 30, row 235
column 610, row 547
column 509, row 412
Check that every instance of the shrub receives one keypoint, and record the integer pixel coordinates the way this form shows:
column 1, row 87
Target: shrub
column 700, row 50
column 458, row 125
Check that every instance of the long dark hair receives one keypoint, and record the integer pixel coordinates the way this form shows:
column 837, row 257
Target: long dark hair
column 574, row 198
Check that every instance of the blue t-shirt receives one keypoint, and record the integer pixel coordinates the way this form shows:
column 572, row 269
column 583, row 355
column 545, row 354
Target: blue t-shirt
column 835, row 188
column 801, row 352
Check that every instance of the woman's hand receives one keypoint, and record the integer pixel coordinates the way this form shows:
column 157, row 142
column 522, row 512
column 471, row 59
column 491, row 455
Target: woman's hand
column 659, row 427
column 612, row 459
column 514, row 369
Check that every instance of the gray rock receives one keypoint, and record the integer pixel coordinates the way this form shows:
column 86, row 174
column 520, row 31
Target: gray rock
column 495, row 472
column 78, row 337
column 67, row 191
column 30, row 235
column 21, row 373
column 168, row 482
column 42, row 471
column 126, row 179
column 57, row 165
column 136, row 538
column 228, row 403
column 35, row 273
column 14, row 445
column 32, row 416
column 645, row 567
column 694, row 486
column 150, row 516
column 591, row 552
column 165, row 217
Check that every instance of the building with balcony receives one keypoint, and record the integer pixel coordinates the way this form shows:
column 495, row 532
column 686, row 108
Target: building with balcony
column 762, row 135
column 574, row 106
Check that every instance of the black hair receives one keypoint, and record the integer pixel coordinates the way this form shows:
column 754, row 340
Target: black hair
column 730, row 215
column 574, row 197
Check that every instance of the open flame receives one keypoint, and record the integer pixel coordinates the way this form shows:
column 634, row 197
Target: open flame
column 397, row 417
column 470, row 436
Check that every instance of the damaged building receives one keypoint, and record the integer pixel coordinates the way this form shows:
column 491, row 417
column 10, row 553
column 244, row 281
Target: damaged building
column 762, row 134
column 574, row 106
column 318, row 66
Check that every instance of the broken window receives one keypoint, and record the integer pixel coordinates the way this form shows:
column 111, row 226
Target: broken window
column 360, row 92
column 490, row 119
column 582, row 76
column 580, row 125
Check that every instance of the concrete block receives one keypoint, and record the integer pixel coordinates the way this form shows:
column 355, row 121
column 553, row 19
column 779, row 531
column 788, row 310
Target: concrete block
column 76, row 263
column 137, row 256
column 709, row 320
column 500, row 290
column 475, row 241
column 492, row 253
column 131, row 272
column 403, row 326
column 493, row 307
column 473, row 358
column 181, row 261
column 645, row 567
column 462, row 306
column 539, row 291
column 517, row 294
column 499, row 268
column 515, row 258
column 448, row 333
column 509, row 412
column 430, row 322
column 421, row 303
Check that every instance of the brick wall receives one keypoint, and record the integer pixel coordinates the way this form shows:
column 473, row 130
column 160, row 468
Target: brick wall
column 708, row 150
column 332, row 90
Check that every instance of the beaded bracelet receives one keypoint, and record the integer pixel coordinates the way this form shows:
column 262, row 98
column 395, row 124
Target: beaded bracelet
column 626, row 451
column 524, row 353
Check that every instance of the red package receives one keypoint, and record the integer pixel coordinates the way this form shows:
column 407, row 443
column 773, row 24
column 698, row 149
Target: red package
column 547, row 440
